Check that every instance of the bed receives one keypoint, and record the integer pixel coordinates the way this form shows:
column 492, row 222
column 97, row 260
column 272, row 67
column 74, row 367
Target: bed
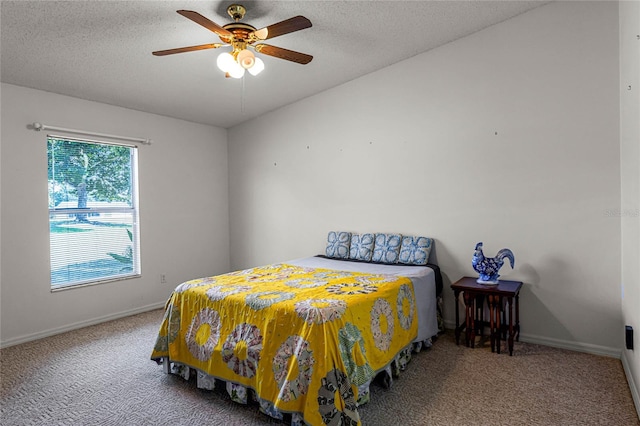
column 303, row 338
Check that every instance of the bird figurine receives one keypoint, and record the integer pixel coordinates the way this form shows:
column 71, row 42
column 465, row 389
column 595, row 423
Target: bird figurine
column 488, row 267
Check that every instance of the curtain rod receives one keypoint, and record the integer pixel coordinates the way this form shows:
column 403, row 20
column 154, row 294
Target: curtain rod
column 40, row 126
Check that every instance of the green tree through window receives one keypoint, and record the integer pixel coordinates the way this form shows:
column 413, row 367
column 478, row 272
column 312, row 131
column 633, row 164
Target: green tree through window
column 93, row 212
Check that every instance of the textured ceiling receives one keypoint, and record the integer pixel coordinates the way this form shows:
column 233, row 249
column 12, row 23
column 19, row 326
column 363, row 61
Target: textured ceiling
column 101, row 50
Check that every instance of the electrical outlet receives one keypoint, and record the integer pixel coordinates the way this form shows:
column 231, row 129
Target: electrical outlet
column 163, row 279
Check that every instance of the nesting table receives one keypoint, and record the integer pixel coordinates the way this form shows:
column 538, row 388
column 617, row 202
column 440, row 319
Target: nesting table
column 501, row 299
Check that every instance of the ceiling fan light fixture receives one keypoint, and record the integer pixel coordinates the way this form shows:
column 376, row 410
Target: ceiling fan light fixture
column 236, row 71
column 246, row 58
column 225, row 61
column 257, row 67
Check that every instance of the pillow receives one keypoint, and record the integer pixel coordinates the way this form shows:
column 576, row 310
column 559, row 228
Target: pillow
column 361, row 247
column 338, row 244
column 386, row 248
column 415, row 250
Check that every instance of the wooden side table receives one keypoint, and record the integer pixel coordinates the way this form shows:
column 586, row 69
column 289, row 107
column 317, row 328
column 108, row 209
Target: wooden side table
column 500, row 298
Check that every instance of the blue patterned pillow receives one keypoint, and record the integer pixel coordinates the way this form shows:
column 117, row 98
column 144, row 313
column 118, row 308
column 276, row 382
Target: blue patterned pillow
column 415, row 250
column 386, row 248
column 338, row 245
column 361, row 247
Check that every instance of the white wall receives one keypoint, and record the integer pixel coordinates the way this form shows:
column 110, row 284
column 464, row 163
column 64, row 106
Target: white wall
column 630, row 184
column 509, row 136
column 183, row 180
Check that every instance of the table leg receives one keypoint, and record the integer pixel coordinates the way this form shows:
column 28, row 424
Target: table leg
column 479, row 316
column 492, row 321
column 510, row 302
column 458, row 328
column 517, row 317
column 503, row 329
column 469, row 299
column 498, row 301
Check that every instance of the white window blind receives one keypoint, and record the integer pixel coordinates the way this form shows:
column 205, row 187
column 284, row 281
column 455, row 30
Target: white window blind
column 93, row 211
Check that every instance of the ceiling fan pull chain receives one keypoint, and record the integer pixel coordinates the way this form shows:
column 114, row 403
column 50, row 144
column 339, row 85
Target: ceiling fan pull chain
column 242, row 97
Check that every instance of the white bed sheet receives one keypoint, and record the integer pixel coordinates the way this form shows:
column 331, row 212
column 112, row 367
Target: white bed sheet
column 422, row 277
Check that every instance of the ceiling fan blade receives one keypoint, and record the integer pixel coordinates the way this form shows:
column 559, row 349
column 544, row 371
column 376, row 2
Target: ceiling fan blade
column 206, row 22
column 286, row 54
column 187, row 49
column 287, row 26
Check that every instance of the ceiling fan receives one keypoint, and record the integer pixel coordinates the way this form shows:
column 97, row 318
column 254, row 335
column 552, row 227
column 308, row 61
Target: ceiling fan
column 241, row 37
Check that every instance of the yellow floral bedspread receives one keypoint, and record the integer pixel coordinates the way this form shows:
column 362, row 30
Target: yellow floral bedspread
column 303, row 339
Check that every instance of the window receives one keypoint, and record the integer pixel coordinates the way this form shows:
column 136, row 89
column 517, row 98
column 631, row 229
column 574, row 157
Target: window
column 93, row 211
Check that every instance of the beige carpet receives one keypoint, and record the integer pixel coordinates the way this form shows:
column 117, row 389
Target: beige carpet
column 102, row 375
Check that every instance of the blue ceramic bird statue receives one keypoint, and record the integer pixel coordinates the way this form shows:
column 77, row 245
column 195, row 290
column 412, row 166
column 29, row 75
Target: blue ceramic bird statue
column 488, row 267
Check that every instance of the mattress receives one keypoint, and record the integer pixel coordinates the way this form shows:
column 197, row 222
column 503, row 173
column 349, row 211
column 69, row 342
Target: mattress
column 423, row 278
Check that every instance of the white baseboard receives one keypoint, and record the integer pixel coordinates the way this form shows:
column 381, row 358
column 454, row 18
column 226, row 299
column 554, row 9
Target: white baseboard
column 77, row 325
column 632, row 384
column 571, row 345
column 563, row 344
